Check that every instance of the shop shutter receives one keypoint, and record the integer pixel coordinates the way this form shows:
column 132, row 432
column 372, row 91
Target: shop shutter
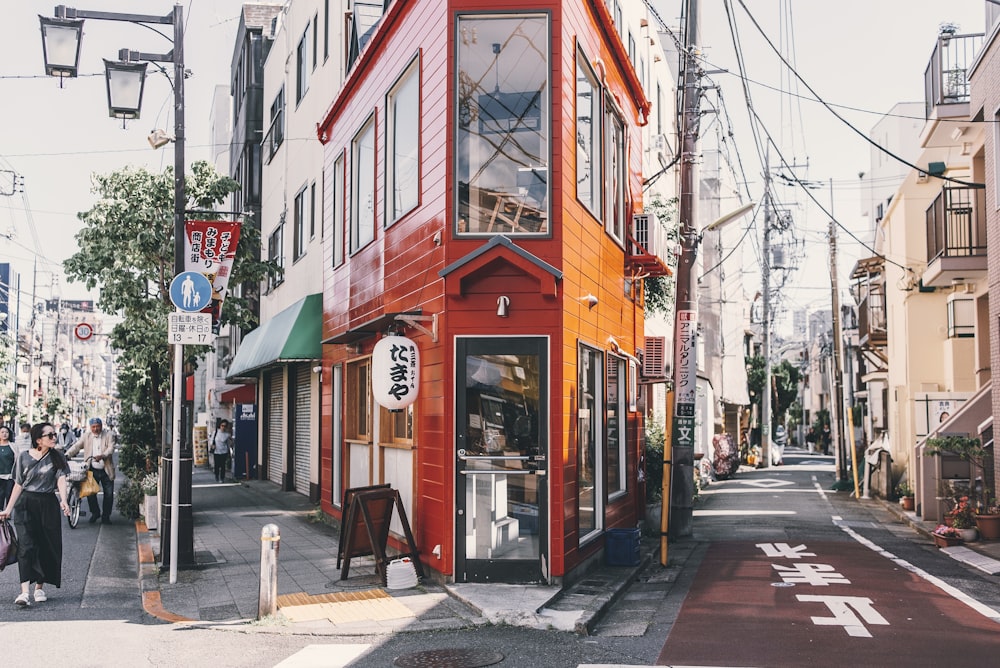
column 275, row 424
column 303, row 428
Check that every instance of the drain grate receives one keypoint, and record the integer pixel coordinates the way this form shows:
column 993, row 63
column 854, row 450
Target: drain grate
column 449, row 658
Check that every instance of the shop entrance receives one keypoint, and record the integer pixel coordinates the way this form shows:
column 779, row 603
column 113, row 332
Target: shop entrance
column 501, row 459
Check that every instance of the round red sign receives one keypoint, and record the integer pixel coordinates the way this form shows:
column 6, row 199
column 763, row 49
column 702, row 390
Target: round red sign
column 83, row 331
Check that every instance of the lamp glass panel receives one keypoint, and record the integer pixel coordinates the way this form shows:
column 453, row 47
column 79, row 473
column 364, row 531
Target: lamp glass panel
column 125, row 91
column 61, row 46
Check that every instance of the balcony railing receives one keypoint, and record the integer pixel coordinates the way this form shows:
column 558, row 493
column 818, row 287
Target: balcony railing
column 946, row 79
column 956, row 223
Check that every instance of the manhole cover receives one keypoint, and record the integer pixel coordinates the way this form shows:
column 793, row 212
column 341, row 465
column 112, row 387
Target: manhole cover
column 356, row 582
column 449, row 658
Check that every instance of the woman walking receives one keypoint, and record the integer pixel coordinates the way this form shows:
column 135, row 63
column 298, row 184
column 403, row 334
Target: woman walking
column 38, row 473
column 222, row 447
column 6, row 466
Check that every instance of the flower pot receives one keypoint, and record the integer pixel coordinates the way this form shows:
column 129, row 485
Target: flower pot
column 906, row 502
column 946, row 541
column 989, row 526
column 151, row 511
column 969, row 535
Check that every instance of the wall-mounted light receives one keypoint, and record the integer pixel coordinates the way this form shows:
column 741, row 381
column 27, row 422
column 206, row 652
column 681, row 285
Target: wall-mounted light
column 503, row 304
column 590, row 300
column 158, row 138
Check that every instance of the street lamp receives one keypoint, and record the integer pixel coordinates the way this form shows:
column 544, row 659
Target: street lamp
column 61, row 39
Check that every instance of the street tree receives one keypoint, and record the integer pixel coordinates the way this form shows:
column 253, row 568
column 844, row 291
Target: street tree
column 126, row 250
column 785, row 379
column 659, row 290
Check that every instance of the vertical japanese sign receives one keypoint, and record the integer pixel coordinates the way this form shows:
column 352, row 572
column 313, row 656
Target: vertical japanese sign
column 210, row 249
column 686, row 363
column 395, row 372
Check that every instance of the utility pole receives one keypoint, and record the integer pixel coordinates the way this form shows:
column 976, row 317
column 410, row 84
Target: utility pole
column 685, row 366
column 837, row 405
column 765, row 279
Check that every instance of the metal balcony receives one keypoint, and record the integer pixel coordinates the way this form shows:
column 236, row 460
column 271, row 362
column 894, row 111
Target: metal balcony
column 956, row 237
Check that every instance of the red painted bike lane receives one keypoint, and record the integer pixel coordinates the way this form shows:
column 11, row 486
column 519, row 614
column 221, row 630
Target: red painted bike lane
column 820, row 604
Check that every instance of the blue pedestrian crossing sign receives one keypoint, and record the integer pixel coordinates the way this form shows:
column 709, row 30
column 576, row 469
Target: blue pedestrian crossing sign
column 190, row 292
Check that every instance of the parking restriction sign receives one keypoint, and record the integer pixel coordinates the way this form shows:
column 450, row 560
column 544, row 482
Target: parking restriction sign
column 189, row 328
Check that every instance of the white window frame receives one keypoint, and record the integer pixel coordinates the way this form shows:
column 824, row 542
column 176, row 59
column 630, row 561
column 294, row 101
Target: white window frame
column 402, row 149
column 362, row 191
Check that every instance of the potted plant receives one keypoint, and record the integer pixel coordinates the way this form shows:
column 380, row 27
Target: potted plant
column 151, row 500
column 653, row 474
column 988, row 520
column 946, row 536
column 963, row 518
column 905, row 494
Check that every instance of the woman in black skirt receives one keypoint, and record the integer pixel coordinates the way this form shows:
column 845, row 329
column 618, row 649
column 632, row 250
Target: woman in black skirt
column 38, row 474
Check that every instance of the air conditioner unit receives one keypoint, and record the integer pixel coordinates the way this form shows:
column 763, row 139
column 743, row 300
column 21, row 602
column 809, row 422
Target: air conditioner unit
column 644, row 227
column 654, row 359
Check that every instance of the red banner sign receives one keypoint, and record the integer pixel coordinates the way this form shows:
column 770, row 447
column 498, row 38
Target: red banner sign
column 210, row 249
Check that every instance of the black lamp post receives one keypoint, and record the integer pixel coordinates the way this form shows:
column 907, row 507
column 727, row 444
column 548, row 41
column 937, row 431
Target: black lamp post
column 61, row 39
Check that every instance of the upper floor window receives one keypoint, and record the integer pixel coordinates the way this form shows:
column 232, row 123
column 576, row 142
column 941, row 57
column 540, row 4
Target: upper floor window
column 502, row 138
column 403, row 143
column 299, row 218
column 276, row 128
column 363, row 186
column 337, row 209
column 276, row 252
column 614, row 173
column 302, row 65
column 588, row 136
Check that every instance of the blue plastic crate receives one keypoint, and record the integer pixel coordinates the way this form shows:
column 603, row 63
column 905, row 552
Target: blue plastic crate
column 621, row 547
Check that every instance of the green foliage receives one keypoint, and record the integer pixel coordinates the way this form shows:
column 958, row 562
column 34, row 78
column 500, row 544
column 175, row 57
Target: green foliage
column 126, row 249
column 785, row 379
column 654, row 460
column 128, row 497
column 136, row 428
column 659, row 290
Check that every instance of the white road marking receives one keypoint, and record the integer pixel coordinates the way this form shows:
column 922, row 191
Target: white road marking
column 324, row 656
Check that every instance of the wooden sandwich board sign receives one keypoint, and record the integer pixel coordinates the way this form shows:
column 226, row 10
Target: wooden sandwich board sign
column 365, row 530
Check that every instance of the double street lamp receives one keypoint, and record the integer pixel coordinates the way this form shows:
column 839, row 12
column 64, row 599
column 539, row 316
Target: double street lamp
column 61, row 40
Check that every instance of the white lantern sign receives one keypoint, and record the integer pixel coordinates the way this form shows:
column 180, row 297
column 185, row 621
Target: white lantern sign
column 395, row 372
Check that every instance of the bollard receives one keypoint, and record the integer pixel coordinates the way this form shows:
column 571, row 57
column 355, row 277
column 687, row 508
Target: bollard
column 270, row 541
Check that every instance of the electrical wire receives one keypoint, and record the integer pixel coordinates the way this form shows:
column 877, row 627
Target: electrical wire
column 843, row 120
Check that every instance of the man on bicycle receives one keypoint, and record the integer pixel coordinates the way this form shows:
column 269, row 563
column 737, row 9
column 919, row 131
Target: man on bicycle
column 99, row 443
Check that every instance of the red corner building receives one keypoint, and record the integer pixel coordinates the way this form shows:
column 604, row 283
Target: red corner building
column 482, row 171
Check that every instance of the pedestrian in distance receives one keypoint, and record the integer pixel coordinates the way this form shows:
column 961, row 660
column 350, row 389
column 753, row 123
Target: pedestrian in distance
column 23, row 440
column 39, row 473
column 6, row 465
column 826, row 438
column 66, row 438
column 222, row 447
column 98, row 444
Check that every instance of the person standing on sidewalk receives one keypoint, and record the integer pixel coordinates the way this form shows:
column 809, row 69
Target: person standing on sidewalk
column 99, row 443
column 23, row 440
column 6, row 466
column 38, row 474
column 222, row 446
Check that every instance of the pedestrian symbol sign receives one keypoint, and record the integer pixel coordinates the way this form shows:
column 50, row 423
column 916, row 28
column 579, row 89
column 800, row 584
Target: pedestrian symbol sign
column 191, row 292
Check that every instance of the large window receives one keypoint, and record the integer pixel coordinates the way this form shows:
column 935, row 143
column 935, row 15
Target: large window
column 588, row 136
column 614, row 173
column 363, row 187
column 589, row 447
column 358, row 404
column 403, row 142
column 337, row 207
column 502, row 154
column 276, row 125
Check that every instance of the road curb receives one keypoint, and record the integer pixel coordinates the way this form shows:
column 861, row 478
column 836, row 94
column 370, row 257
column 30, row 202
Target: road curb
column 149, row 579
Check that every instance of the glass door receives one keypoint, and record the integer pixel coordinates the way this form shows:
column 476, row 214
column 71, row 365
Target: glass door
column 501, row 459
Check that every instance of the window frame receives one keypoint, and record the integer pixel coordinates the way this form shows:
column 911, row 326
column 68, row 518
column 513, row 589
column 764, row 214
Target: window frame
column 299, row 216
column 357, row 240
column 615, row 175
column 411, row 74
column 619, row 402
column 338, row 220
column 594, row 204
column 302, row 68
column 596, row 430
column 276, row 253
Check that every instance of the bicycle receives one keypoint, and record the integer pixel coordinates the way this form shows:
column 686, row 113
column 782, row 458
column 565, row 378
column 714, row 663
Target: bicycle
column 77, row 474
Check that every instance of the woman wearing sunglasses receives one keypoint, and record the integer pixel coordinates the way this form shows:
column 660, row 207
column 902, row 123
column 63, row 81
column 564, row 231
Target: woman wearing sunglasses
column 39, row 473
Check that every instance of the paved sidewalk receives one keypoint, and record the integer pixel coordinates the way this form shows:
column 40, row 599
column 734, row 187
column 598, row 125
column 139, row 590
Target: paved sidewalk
column 223, row 588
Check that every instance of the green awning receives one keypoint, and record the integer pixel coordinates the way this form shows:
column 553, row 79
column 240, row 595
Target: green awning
column 291, row 336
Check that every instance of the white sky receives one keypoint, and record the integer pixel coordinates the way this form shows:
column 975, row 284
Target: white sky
column 867, row 54
column 57, row 138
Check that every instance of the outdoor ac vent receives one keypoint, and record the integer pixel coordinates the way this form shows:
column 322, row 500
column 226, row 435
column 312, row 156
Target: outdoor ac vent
column 655, row 357
column 643, row 225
